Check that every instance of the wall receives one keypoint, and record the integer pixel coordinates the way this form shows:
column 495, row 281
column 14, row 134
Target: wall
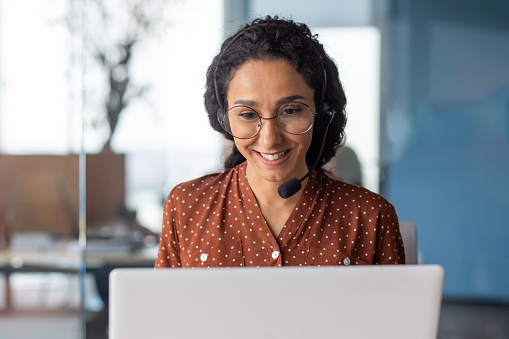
column 446, row 127
column 39, row 193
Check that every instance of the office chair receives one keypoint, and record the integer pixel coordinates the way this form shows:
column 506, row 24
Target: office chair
column 409, row 234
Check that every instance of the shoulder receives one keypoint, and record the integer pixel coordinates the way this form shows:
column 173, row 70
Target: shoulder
column 352, row 195
column 202, row 184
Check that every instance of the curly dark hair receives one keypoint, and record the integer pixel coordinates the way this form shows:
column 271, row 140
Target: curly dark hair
column 273, row 38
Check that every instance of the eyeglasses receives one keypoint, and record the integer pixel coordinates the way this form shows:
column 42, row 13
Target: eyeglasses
column 243, row 122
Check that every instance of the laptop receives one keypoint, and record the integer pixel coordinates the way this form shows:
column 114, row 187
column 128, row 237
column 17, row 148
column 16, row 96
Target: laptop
column 359, row 302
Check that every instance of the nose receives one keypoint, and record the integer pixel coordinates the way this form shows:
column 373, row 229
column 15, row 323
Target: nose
column 270, row 134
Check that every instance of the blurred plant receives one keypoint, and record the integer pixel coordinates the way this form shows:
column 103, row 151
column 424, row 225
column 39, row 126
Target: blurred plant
column 115, row 31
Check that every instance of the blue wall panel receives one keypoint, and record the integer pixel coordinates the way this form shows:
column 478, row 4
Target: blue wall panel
column 448, row 140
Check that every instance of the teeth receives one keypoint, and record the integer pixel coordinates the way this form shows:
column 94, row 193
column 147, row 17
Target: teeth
column 274, row 156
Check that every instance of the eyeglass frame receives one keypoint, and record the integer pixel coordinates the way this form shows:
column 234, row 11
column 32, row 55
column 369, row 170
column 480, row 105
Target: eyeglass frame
column 315, row 114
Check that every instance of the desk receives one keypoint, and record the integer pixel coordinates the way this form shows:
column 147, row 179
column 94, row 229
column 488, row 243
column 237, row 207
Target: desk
column 65, row 260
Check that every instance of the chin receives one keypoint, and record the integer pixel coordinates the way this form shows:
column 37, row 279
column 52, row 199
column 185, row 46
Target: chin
column 277, row 176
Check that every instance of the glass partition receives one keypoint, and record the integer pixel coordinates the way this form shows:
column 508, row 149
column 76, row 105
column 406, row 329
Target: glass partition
column 40, row 97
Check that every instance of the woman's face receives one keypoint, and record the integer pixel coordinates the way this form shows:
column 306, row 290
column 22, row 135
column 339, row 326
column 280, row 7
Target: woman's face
column 272, row 155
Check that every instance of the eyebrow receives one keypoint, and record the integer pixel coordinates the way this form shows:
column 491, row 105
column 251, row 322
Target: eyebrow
column 291, row 98
column 281, row 101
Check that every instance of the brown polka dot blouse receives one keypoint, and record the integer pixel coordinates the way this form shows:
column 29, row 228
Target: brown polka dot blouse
column 215, row 221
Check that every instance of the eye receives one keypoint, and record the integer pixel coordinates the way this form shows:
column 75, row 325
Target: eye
column 248, row 115
column 292, row 110
column 243, row 114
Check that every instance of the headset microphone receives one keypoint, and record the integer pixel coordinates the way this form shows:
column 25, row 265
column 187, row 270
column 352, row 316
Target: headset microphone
column 292, row 186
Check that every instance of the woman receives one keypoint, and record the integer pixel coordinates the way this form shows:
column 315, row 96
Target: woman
column 274, row 91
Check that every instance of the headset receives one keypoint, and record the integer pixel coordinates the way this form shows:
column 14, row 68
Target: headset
column 325, row 114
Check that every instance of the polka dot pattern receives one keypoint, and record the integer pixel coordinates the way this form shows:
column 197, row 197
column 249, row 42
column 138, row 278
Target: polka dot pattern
column 215, row 221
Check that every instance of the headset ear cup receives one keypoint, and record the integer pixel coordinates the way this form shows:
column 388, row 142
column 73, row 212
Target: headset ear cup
column 325, row 116
column 330, row 115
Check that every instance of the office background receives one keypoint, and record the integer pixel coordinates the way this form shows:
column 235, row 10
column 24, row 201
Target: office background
column 428, row 90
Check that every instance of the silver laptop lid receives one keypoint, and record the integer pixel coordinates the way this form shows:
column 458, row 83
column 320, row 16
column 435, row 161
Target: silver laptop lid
column 289, row 302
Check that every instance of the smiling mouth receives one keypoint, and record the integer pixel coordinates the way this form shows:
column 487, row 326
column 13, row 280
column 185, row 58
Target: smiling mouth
column 273, row 157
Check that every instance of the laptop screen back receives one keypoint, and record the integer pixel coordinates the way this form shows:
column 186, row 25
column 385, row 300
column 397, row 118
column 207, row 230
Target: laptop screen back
column 289, row 302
